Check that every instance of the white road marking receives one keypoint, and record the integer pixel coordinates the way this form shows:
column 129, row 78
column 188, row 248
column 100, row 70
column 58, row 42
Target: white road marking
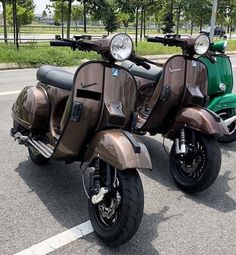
column 12, row 92
column 59, row 240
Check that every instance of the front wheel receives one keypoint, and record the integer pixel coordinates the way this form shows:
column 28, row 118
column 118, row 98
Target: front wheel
column 116, row 219
column 198, row 169
column 225, row 114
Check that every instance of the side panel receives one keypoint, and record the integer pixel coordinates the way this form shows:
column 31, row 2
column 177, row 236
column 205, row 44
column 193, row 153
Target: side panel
column 31, row 109
column 115, row 148
column 168, row 94
column 219, row 72
column 198, row 119
column 88, row 89
column 222, row 102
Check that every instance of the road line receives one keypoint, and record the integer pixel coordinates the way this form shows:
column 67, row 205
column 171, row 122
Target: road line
column 7, row 93
column 59, row 240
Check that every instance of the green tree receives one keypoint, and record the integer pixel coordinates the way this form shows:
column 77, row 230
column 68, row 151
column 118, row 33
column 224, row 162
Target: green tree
column 25, row 12
column 107, row 12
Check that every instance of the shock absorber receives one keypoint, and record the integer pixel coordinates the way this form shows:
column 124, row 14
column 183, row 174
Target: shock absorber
column 180, row 143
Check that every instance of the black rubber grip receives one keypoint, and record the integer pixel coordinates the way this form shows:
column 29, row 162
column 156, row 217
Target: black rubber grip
column 145, row 65
column 58, row 43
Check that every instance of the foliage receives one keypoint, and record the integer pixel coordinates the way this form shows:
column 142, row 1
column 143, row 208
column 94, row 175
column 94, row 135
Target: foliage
column 25, row 12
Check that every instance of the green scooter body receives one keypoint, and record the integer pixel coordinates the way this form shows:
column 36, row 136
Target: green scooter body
column 220, row 83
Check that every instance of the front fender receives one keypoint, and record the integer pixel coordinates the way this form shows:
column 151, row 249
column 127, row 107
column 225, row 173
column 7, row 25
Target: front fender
column 120, row 149
column 199, row 119
column 222, row 102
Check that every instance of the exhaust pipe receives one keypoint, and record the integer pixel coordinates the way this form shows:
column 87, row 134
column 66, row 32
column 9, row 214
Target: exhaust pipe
column 230, row 120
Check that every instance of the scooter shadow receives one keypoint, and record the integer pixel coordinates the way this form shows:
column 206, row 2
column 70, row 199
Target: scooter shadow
column 141, row 243
column 160, row 163
column 215, row 197
column 60, row 189
column 226, row 148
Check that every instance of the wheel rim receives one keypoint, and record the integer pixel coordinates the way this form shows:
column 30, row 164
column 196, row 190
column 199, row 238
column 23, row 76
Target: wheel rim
column 191, row 168
column 108, row 211
column 225, row 115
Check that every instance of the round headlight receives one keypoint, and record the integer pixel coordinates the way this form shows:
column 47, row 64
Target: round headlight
column 201, row 44
column 121, row 47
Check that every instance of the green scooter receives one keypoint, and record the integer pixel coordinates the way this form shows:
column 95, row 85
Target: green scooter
column 220, row 85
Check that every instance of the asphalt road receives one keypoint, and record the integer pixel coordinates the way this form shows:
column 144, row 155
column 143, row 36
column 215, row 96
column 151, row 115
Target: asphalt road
column 37, row 203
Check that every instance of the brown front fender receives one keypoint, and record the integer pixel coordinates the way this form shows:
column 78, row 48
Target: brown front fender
column 120, row 149
column 199, row 119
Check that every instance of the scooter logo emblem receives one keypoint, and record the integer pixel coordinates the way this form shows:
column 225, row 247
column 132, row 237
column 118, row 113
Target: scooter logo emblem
column 174, row 70
column 84, row 85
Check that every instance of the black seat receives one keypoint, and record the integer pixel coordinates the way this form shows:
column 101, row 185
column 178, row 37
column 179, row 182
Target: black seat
column 154, row 73
column 56, row 77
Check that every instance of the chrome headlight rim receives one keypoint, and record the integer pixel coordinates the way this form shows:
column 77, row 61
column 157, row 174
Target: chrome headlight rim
column 199, row 46
column 126, row 55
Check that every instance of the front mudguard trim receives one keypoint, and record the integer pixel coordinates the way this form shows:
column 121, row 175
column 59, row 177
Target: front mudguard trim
column 226, row 101
column 198, row 119
column 116, row 149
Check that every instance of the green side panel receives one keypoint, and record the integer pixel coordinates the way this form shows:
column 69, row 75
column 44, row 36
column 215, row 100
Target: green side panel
column 222, row 102
column 219, row 72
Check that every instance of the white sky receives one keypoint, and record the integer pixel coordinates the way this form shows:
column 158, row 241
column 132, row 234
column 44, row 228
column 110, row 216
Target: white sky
column 40, row 5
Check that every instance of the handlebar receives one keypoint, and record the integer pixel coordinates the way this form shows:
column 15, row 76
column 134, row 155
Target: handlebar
column 60, row 43
column 173, row 40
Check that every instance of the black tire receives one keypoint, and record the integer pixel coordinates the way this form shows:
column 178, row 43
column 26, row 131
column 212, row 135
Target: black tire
column 36, row 157
column 128, row 215
column 205, row 167
column 225, row 114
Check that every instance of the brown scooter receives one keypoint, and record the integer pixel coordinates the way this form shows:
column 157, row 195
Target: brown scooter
column 171, row 102
column 85, row 117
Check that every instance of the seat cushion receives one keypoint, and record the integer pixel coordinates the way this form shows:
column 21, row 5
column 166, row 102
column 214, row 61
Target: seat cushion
column 154, row 73
column 56, row 77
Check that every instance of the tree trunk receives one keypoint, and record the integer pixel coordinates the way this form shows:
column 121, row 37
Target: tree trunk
column 144, row 22
column 141, row 28
column 62, row 20
column 136, row 28
column 69, row 18
column 85, row 19
column 16, row 25
column 4, row 20
column 178, row 19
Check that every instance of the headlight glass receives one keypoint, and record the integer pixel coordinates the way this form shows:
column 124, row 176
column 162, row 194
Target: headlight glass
column 121, row 47
column 201, row 44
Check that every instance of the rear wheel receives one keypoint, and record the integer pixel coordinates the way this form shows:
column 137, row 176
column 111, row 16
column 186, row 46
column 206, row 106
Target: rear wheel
column 225, row 114
column 198, row 169
column 117, row 217
column 36, row 157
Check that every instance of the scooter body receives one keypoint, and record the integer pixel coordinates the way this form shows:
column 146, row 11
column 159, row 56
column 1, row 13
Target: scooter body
column 86, row 117
column 222, row 100
column 172, row 101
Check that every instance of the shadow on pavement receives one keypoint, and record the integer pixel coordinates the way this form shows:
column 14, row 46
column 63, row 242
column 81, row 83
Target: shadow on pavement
column 142, row 241
column 226, row 148
column 59, row 187
column 160, row 163
column 215, row 197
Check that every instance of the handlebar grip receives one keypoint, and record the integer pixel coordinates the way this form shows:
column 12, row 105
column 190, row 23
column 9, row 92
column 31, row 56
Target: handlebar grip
column 145, row 65
column 59, row 43
column 156, row 39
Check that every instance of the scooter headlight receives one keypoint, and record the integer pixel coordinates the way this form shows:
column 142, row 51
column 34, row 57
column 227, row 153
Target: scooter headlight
column 121, row 47
column 201, row 44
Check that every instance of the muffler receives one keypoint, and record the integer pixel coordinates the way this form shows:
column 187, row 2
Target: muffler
column 230, row 120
